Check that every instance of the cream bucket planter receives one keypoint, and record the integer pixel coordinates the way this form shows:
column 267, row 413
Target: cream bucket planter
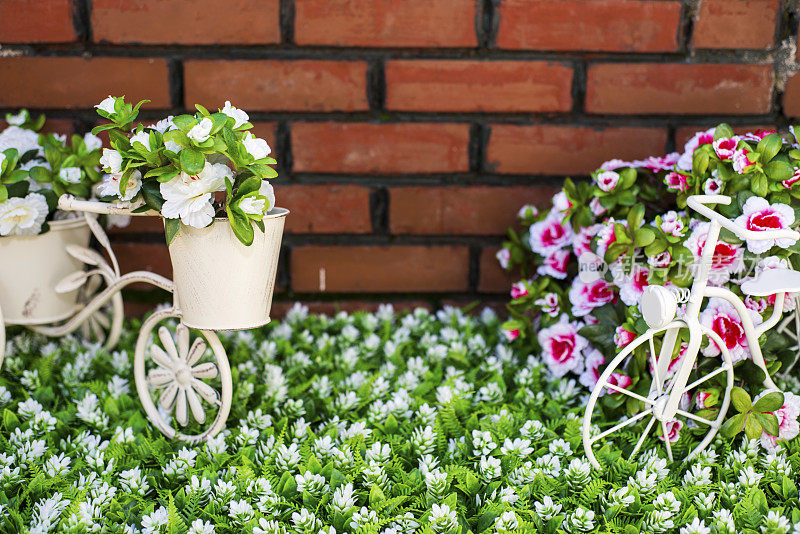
column 222, row 284
column 31, row 266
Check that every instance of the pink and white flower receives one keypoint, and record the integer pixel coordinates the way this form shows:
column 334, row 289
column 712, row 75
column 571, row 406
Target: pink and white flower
column 712, row 186
column 702, row 399
column 619, row 380
column 561, row 204
column 697, row 140
column 607, row 180
column 587, row 296
column 562, row 346
column 789, row 183
column 623, row 337
column 727, row 259
column 582, row 242
column 614, row 164
column 511, row 334
column 676, row 181
column 725, row 147
column 788, row 427
column 503, row 257
column 661, row 261
column 743, row 159
column 591, row 372
column 672, row 224
column 632, row 283
column 758, row 215
column 549, row 304
column 549, row 235
column 606, row 235
column 673, row 431
column 596, row 207
column 758, row 135
column 519, row 290
column 656, row 164
column 528, row 211
column 721, row 317
column 555, row 264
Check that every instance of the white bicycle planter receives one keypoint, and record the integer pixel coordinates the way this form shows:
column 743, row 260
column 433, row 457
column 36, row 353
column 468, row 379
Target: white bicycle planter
column 45, row 286
column 219, row 284
column 658, row 403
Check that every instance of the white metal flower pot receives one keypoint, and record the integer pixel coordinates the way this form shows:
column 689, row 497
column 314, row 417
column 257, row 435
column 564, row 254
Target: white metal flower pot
column 31, row 266
column 222, row 284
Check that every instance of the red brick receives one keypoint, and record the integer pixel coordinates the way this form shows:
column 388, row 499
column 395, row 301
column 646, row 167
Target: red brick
column 140, row 225
column 445, row 85
column 191, row 23
column 477, row 210
column 658, row 88
column 143, row 257
column 371, row 23
column 791, row 97
column 684, row 133
column 562, row 150
column 325, row 208
column 360, row 148
column 59, row 126
column 266, row 131
column 603, row 25
column 493, row 278
column 361, row 269
column 36, row 21
column 274, row 85
column 735, row 24
column 73, row 82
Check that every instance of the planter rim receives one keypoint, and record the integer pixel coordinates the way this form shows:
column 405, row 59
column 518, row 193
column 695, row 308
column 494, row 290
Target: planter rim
column 55, row 226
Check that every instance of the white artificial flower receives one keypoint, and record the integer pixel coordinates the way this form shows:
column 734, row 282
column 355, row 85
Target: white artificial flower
column 23, row 216
column 255, row 205
column 18, row 119
column 201, row 131
column 239, row 115
column 189, row 197
column 22, row 139
column 107, row 104
column 111, row 160
column 142, row 137
column 71, row 175
column 92, row 142
column 258, row 148
column 164, row 125
column 110, row 186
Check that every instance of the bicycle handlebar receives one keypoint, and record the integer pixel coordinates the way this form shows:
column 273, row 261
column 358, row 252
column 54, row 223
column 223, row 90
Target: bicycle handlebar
column 70, row 203
column 697, row 203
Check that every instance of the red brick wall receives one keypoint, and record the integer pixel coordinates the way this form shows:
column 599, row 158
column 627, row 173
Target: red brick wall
column 409, row 132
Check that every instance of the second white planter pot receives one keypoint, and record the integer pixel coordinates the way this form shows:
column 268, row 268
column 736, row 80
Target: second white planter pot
column 222, row 284
column 30, row 268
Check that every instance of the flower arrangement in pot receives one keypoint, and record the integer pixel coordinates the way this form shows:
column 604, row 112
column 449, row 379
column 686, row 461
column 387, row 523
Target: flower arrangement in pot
column 586, row 261
column 207, row 175
column 35, row 169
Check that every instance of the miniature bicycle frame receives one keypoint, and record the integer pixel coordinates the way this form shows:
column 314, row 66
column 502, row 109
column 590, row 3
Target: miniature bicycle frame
column 663, row 400
column 179, row 374
column 32, row 264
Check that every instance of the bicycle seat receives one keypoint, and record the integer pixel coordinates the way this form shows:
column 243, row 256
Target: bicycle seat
column 772, row 281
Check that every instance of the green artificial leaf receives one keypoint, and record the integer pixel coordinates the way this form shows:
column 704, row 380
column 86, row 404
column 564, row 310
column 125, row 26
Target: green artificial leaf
column 741, row 400
column 723, row 131
column 699, row 162
column 768, row 422
column 770, row 402
column 759, row 183
column 769, row 146
column 171, row 227
column 778, row 170
column 752, row 428
column 733, row 425
column 644, row 237
column 192, row 161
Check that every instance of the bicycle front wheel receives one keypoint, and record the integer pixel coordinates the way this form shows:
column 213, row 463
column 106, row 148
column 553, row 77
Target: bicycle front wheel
column 625, row 412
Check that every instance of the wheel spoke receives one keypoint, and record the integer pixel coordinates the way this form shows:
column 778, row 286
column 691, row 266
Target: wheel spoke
column 196, row 352
column 654, row 362
column 709, row 376
column 102, row 319
column 168, row 343
column 629, row 393
column 696, row 418
column 623, row 424
column 642, row 438
column 666, row 440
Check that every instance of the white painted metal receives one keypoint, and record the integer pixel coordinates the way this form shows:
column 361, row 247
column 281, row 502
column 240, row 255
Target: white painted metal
column 658, row 309
column 220, row 284
column 772, row 281
column 181, row 377
column 223, row 284
column 30, row 268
